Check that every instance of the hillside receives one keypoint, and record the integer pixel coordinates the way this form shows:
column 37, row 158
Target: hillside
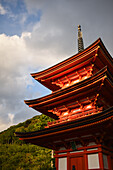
column 16, row 155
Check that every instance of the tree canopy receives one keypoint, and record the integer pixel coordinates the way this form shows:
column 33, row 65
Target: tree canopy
column 16, row 155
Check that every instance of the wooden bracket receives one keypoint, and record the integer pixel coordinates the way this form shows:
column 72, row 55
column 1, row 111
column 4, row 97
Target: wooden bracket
column 82, row 142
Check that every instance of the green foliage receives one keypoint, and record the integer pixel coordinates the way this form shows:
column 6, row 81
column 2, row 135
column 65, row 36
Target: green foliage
column 34, row 124
column 28, row 157
column 8, row 136
column 16, row 155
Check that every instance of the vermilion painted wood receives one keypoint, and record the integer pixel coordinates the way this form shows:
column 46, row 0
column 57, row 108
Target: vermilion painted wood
column 85, row 161
column 77, row 162
column 101, row 160
column 98, row 86
column 81, row 104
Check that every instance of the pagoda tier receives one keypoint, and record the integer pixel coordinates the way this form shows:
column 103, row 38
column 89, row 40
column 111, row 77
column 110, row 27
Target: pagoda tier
column 95, row 128
column 87, row 97
column 86, row 143
column 76, row 68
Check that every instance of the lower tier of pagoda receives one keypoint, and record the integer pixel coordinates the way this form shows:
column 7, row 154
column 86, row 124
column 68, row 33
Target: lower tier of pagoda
column 91, row 157
column 83, row 144
column 98, row 126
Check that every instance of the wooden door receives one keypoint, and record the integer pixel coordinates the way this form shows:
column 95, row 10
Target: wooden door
column 76, row 163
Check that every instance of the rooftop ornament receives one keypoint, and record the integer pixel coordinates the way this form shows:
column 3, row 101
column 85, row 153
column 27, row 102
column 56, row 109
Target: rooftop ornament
column 80, row 40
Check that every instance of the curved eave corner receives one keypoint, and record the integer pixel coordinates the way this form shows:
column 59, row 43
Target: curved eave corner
column 68, row 59
column 53, row 116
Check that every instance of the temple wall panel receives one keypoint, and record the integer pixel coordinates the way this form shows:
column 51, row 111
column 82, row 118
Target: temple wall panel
column 84, row 158
column 93, row 161
column 62, row 163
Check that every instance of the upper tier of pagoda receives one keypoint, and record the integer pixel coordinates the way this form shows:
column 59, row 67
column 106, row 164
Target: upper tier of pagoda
column 76, row 68
column 87, row 97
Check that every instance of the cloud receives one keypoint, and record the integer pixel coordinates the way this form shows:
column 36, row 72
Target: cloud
column 14, row 75
column 2, row 10
column 59, row 20
column 11, row 117
column 17, row 61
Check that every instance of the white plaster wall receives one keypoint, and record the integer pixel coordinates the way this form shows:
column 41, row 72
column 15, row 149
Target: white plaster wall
column 62, row 164
column 93, row 161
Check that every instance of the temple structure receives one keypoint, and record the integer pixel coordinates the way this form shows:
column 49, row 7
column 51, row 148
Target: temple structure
column 81, row 104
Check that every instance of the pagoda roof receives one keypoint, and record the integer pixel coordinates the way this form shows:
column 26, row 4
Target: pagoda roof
column 96, row 53
column 51, row 137
column 101, row 82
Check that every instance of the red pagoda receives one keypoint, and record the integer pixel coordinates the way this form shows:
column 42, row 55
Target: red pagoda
column 81, row 103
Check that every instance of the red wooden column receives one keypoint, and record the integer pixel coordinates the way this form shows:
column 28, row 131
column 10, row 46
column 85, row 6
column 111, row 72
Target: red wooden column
column 56, row 162
column 85, row 159
column 101, row 158
column 68, row 161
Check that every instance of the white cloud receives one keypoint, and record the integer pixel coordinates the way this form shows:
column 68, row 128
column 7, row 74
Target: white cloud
column 2, row 10
column 63, row 16
column 11, row 117
column 14, row 75
column 17, row 61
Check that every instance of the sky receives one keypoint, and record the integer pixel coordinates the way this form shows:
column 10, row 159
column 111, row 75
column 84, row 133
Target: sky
column 36, row 34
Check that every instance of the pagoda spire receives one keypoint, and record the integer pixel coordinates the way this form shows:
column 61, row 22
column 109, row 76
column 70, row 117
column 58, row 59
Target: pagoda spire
column 80, row 40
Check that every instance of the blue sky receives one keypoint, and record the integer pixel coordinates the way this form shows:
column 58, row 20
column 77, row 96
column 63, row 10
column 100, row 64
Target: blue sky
column 36, row 34
column 17, row 19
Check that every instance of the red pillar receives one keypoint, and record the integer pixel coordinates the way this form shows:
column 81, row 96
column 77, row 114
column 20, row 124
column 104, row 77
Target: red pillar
column 56, row 163
column 85, row 159
column 101, row 159
column 68, row 161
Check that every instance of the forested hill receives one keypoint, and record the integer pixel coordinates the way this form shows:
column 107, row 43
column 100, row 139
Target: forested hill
column 16, row 155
